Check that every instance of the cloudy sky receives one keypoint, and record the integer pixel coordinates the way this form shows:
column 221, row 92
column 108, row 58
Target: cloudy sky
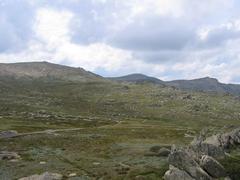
column 168, row 39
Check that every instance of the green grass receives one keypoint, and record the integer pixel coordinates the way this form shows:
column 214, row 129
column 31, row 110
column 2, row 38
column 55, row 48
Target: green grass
column 119, row 125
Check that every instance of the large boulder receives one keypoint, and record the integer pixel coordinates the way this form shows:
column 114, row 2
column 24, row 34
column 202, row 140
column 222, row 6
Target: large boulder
column 212, row 167
column 226, row 140
column 209, row 149
column 207, row 146
column 44, row 176
column 183, row 160
column 230, row 139
column 176, row 174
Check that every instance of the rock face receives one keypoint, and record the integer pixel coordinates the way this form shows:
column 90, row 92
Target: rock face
column 226, row 140
column 44, row 176
column 197, row 161
column 204, row 148
column 212, row 167
column 176, row 174
column 182, row 160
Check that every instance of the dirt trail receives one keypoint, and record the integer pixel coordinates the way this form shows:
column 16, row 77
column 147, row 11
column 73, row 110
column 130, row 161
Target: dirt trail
column 52, row 131
column 49, row 131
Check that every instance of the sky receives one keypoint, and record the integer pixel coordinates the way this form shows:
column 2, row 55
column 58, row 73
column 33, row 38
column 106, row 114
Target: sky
column 168, row 39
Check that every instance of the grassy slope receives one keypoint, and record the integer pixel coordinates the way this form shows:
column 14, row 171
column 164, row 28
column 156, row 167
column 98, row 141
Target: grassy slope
column 120, row 121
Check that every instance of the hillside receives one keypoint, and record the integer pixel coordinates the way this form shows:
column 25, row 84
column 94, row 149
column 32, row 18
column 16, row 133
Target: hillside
column 206, row 84
column 45, row 70
column 137, row 78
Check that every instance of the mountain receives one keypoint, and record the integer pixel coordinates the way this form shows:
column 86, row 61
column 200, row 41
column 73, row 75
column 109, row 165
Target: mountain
column 206, row 84
column 45, row 70
column 137, row 78
column 49, row 71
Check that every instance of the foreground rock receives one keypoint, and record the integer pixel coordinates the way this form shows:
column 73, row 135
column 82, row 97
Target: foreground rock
column 5, row 155
column 183, row 160
column 8, row 134
column 212, row 167
column 44, row 176
column 176, row 174
column 198, row 160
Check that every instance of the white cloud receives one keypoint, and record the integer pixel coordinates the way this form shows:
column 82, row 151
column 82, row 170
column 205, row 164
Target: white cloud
column 53, row 42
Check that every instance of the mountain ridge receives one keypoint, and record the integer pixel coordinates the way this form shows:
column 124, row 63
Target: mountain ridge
column 50, row 71
column 206, row 84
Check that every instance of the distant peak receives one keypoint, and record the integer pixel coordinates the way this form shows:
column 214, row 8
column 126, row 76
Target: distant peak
column 137, row 74
column 209, row 79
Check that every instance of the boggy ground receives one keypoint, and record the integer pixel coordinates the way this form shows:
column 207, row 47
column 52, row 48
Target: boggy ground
column 118, row 123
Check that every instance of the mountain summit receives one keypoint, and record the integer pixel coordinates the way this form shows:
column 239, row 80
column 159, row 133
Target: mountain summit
column 35, row 70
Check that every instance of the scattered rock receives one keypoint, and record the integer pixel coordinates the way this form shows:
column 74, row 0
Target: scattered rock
column 80, row 178
column 187, row 97
column 176, row 174
column 95, row 136
column 14, row 160
column 96, row 163
column 8, row 134
column 72, row 175
column 44, row 176
column 5, row 155
column 212, row 167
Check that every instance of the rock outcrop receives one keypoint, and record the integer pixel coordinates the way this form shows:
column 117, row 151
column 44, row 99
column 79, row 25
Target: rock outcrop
column 198, row 160
column 181, row 159
column 212, row 167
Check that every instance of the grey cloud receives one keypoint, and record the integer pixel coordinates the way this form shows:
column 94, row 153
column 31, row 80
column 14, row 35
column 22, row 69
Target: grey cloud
column 16, row 19
column 219, row 36
column 161, row 56
column 154, row 34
